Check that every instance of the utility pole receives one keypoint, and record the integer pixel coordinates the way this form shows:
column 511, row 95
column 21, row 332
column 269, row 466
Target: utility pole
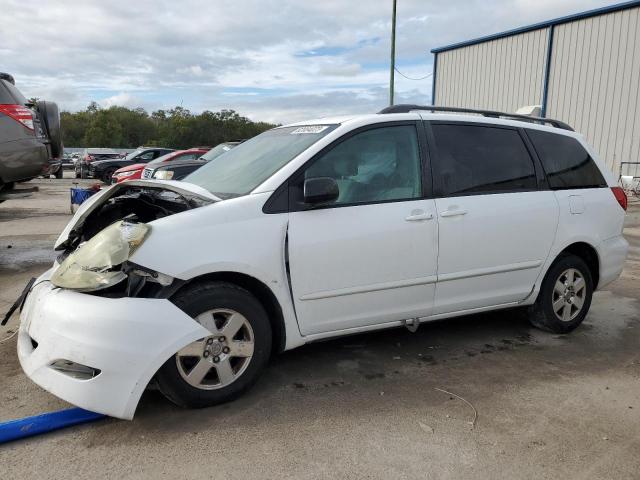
column 393, row 53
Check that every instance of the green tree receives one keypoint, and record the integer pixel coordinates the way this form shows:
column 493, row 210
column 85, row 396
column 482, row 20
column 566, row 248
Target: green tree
column 104, row 131
column 175, row 128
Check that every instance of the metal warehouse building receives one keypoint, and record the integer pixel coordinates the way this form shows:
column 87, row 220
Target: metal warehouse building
column 583, row 69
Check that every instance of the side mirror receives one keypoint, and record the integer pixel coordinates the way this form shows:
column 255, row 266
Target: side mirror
column 320, row 190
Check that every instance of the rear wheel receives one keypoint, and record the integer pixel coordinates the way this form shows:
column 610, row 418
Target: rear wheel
column 223, row 365
column 565, row 296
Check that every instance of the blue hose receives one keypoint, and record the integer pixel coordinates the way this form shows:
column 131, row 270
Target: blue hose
column 47, row 422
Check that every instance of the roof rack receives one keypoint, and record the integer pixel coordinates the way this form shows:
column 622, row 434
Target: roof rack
column 405, row 108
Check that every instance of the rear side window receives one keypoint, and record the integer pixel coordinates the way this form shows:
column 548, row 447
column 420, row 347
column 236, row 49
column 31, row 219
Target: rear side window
column 565, row 161
column 480, row 159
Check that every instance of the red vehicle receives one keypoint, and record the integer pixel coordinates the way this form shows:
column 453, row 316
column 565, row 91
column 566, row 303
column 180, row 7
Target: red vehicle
column 134, row 172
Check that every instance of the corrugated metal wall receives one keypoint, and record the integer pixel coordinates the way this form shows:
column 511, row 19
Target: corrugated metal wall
column 594, row 81
column 502, row 74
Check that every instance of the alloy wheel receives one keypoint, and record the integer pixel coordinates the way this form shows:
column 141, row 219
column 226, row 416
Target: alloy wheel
column 219, row 359
column 568, row 295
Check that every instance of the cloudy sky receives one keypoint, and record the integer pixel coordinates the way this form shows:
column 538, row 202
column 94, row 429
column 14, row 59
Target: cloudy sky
column 270, row 60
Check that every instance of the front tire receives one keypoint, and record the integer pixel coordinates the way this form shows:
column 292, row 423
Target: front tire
column 223, row 365
column 565, row 296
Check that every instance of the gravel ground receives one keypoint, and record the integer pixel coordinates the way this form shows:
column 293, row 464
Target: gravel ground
column 366, row 406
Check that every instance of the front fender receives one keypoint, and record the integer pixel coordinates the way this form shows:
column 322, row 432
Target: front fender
column 229, row 236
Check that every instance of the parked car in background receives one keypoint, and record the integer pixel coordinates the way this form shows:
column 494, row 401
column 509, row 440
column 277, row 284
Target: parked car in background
column 90, row 155
column 286, row 240
column 29, row 136
column 104, row 169
column 177, row 170
column 68, row 160
column 134, row 172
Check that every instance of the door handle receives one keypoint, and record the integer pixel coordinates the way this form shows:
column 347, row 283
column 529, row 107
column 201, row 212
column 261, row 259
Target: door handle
column 418, row 217
column 453, row 213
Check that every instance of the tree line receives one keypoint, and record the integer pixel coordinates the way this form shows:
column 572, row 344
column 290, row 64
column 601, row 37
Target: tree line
column 121, row 127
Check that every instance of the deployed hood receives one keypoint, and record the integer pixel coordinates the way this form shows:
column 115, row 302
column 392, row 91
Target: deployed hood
column 139, row 200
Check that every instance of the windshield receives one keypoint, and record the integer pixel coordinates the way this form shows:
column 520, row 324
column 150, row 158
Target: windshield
column 164, row 158
column 133, row 154
column 218, row 150
column 242, row 169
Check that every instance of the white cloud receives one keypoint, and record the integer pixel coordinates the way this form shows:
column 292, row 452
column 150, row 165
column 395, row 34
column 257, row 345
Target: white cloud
column 242, row 54
column 122, row 99
column 195, row 70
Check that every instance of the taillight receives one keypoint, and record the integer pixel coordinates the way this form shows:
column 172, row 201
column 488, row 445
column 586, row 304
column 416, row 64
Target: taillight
column 621, row 197
column 19, row 113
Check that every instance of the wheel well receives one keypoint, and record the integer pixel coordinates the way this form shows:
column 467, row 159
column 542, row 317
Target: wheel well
column 264, row 295
column 587, row 253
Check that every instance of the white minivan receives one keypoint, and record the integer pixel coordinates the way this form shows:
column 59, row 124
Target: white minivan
column 316, row 230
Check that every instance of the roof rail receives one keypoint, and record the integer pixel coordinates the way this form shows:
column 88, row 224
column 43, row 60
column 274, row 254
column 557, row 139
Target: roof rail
column 405, row 108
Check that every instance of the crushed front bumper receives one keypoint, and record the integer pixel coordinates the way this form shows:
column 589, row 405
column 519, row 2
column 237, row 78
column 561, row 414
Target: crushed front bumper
column 126, row 339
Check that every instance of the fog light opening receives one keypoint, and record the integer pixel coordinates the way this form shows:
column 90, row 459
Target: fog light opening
column 75, row 370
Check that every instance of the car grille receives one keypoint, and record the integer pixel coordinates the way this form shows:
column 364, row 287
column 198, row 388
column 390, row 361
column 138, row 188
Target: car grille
column 146, row 173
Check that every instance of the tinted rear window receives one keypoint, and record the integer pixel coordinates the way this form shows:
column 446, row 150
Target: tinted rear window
column 566, row 162
column 480, row 159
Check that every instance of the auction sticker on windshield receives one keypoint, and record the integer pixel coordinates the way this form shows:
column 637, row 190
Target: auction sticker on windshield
column 309, row 129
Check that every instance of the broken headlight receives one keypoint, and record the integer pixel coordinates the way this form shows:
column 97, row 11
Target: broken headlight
column 91, row 266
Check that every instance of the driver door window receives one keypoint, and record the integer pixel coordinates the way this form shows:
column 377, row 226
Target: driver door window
column 377, row 165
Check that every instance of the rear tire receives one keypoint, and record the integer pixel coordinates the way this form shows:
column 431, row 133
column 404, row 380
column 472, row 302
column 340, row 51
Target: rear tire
column 565, row 296
column 229, row 361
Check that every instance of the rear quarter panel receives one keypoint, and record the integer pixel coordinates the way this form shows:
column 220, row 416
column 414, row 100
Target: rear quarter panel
column 592, row 216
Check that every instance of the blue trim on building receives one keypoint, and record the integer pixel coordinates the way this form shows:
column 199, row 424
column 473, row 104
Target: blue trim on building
column 537, row 26
column 547, row 72
column 433, row 79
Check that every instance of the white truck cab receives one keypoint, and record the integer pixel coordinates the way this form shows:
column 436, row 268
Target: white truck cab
column 315, row 230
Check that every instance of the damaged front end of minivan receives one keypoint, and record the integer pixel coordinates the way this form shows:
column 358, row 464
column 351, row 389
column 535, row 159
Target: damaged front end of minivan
column 92, row 330
column 97, row 244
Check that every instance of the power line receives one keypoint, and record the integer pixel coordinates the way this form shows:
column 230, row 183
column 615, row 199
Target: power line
column 411, row 78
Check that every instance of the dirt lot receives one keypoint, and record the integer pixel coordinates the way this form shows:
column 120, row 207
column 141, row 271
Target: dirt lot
column 366, row 406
